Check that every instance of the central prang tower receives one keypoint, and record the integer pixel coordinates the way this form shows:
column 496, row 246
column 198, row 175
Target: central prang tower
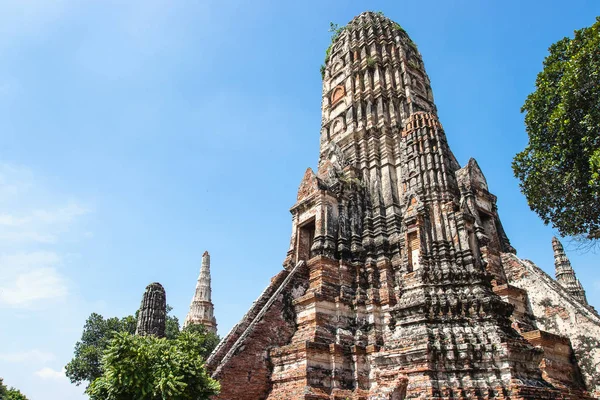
column 387, row 291
column 399, row 288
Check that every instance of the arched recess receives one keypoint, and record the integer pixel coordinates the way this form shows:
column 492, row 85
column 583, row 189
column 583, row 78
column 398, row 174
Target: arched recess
column 338, row 94
column 337, row 126
column 336, row 67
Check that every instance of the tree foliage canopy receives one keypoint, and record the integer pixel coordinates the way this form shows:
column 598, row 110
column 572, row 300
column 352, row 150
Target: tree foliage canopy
column 86, row 364
column 205, row 340
column 10, row 393
column 150, row 368
column 559, row 169
column 97, row 332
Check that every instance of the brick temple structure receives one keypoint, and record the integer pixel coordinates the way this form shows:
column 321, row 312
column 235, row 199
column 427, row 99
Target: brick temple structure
column 400, row 282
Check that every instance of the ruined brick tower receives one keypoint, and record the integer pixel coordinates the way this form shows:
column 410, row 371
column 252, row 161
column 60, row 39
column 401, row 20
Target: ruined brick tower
column 153, row 311
column 202, row 310
column 394, row 286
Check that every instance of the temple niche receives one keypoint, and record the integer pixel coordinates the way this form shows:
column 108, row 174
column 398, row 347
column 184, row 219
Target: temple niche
column 400, row 281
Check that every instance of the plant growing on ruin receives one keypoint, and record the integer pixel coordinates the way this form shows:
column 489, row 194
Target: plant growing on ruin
column 559, row 169
column 335, row 31
column 397, row 27
column 371, row 62
column 413, row 64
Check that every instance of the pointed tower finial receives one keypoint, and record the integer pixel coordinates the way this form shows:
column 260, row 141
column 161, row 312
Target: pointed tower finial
column 153, row 311
column 565, row 275
column 202, row 308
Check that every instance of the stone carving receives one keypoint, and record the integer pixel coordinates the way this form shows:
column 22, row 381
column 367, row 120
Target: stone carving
column 411, row 289
column 308, row 186
column 153, row 311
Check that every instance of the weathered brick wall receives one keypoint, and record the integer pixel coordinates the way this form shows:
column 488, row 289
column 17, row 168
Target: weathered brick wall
column 241, row 363
column 557, row 312
column 557, row 362
column 229, row 340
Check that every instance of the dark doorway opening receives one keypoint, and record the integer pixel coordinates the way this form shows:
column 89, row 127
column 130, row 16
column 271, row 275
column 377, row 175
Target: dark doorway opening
column 307, row 235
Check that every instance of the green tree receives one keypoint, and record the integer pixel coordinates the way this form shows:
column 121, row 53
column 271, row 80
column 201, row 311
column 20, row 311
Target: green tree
column 559, row 169
column 171, row 324
column 207, row 341
column 150, row 368
column 15, row 394
column 10, row 394
column 97, row 332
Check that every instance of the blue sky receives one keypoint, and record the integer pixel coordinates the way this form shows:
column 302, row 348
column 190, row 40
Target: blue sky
column 135, row 135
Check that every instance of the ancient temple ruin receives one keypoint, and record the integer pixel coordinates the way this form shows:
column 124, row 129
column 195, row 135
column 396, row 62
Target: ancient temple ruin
column 400, row 282
column 202, row 310
column 153, row 311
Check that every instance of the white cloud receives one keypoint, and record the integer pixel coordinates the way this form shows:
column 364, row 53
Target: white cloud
column 31, row 356
column 34, row 218
column 23, row 261
column 62, row 215
column 30, row 278
column 39, row 225
column 49, row 373
column 32, row 287
column 27, row 236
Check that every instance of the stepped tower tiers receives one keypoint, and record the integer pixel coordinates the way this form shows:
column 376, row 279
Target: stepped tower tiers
column 388, row 287
column 565, row 275
column 153, row 311
column 202, row 308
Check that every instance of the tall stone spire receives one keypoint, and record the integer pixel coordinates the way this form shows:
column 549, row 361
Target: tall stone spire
column 202, row 308
column 401, row 246
column 565, row 275
column 153, row 311
column 401, row 243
